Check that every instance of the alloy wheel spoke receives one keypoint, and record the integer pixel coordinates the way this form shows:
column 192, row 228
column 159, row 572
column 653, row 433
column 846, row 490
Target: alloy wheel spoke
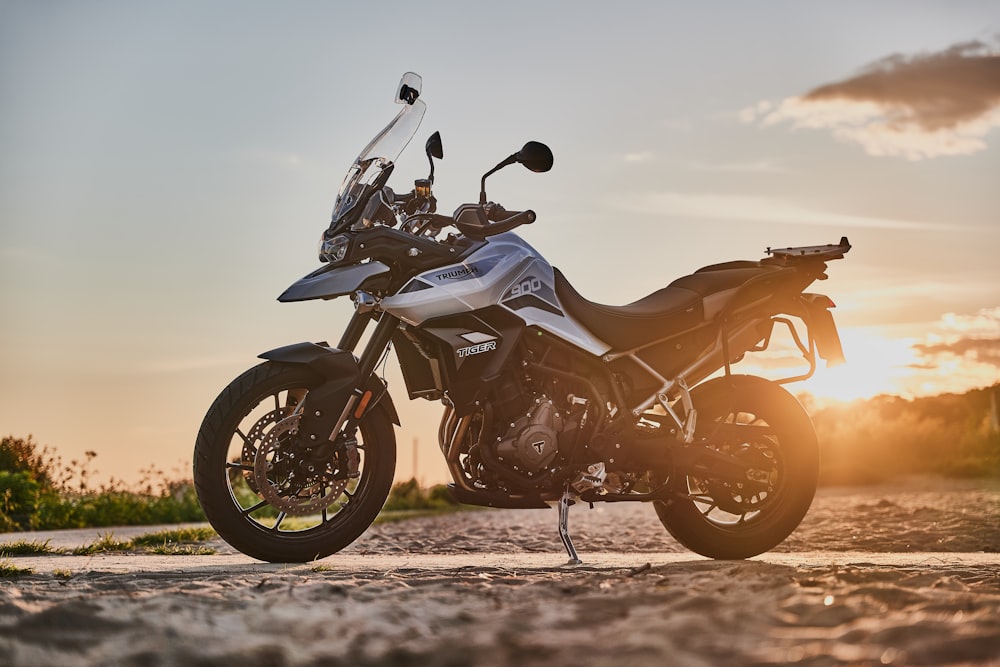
column 250, row 510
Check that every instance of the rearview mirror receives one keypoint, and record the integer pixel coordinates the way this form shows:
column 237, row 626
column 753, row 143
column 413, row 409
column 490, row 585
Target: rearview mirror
column 535, row 156
column 434, row 147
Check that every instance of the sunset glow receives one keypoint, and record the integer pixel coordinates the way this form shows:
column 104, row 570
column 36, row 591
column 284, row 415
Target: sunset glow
column 953, row 355
column 875, row 365
column 166, row 169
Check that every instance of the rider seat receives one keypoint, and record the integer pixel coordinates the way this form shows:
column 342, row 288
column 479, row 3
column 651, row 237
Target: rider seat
column 683, row 304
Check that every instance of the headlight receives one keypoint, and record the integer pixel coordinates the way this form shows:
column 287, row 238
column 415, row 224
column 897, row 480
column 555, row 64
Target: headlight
column 333, row 250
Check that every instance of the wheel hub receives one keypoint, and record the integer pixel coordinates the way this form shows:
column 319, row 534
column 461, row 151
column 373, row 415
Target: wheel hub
column 752, row 494
column 292, row 481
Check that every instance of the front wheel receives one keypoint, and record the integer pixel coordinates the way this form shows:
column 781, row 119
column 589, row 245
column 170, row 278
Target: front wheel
column 759, row 423
column 273, row 498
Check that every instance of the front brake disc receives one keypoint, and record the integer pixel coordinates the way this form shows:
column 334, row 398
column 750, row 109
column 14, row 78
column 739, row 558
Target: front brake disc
column 288, row 484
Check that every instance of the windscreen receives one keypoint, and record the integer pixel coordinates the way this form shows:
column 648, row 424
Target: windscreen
column 378, row 155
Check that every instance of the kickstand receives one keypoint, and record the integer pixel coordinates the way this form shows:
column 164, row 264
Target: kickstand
column 564, row 503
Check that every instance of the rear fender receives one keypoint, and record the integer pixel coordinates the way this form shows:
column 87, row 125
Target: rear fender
column 325, row 404
column 822, row 328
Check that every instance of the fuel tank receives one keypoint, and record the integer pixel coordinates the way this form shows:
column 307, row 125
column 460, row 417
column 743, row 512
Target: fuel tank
column 505, row 272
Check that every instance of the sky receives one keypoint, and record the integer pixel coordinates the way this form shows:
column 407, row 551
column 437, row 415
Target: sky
column 166, row 170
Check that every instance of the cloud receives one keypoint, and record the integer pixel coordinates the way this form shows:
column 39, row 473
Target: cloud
column 764, row 166
column 975, row 338
column 643, row 156
column 986, row 350
column 755, row 209
column 916, row 107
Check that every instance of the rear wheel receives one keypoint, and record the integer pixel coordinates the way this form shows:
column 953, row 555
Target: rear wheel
column 269, row 496
column 763, row 426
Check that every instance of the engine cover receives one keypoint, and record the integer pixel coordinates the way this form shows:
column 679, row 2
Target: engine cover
column 532, row 441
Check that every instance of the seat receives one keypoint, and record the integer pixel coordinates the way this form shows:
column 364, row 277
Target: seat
column 683, row 304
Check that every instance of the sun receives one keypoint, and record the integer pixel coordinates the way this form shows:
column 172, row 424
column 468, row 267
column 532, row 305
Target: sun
column 875, row 365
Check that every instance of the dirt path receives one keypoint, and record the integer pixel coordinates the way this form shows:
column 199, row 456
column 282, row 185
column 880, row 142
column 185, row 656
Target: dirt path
column 904, row 575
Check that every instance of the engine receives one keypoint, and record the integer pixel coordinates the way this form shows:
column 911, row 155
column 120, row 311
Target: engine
column 529, row 428
column 532, row 441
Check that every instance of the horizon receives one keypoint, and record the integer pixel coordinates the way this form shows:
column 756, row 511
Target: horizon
column 166, row 171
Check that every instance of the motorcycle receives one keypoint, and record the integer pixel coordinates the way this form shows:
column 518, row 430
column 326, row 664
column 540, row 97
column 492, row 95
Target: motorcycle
column 548, row 398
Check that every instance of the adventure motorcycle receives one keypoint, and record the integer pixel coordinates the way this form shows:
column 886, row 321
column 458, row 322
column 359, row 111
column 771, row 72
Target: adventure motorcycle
column 548, row 397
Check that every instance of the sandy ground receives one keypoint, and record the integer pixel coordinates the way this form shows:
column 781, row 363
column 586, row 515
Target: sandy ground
column 903, row 575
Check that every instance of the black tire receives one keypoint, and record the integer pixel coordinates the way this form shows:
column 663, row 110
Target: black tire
column 248, row 413
column 735, row 521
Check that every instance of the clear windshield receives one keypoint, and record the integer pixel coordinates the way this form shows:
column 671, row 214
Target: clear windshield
column 378, row 156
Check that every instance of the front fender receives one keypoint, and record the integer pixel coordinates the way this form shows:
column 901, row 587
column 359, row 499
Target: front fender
column 342, row 376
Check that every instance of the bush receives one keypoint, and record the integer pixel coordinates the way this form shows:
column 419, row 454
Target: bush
column 38, row 492
column 869, row 441
column 410, row 495
column 18, row 499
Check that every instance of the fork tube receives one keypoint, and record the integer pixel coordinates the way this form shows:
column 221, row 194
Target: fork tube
column 355, row 329
column 369, row 360
column 376, row 346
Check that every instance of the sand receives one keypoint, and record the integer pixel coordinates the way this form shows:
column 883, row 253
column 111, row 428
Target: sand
column 904, row 575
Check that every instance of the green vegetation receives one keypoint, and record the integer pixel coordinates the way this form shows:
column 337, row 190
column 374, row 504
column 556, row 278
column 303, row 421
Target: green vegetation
column 409, row 500
column 179, row 541
column 861, row 442
column 26, row 548
column 175, row 536
column 865, row 442
column 410, row 496
column 38, row 492
column 9, row 570
column 106, row 543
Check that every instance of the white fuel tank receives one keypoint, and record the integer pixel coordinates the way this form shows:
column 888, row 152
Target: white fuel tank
column 506, row 272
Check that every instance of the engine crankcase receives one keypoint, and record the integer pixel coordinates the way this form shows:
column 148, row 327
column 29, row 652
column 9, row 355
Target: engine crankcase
column 532, row 441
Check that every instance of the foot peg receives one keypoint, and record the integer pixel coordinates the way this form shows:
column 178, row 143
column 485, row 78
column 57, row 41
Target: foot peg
column 564, row 503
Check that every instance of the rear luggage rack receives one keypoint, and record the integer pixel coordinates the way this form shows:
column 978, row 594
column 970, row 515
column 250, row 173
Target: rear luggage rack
column 821, row 252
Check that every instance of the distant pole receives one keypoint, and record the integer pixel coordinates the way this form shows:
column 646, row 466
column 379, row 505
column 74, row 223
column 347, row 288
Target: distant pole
column 994, row 417
column 415, row 460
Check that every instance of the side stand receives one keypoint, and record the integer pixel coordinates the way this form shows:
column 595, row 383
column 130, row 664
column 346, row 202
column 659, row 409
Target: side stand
column 564, row 503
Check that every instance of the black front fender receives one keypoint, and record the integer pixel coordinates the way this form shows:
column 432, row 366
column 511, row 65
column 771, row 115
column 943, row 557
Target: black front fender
column 342, row 376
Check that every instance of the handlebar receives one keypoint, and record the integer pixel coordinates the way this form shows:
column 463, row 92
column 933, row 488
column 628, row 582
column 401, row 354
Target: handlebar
column 478, row 222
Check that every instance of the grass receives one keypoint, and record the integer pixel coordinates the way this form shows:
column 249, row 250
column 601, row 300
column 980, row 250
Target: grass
column 175, row 536
column 26, row 548
column 176, row 542
column 10, row 571
column 106, row 543
column 173, row 542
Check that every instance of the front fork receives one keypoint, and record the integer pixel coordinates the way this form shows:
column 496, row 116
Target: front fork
column 363, row 395
column 349, row 387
